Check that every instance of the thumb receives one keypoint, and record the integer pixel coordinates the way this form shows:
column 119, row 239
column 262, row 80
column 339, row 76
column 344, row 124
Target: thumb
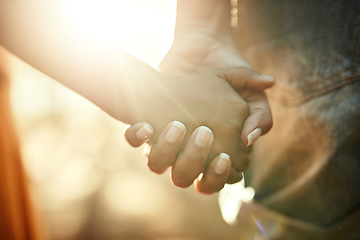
column 246, row 78
column 259, row 122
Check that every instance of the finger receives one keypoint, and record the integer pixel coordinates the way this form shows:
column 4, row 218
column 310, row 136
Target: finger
column 191, row 161
column 139, row 133
column 229, row 141
column 234, row 176
column 260, row 121
column 246, row 78
column 163, row 153
column 215, row 175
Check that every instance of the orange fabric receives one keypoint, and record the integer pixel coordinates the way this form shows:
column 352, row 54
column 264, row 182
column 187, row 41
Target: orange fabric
column 17, row 216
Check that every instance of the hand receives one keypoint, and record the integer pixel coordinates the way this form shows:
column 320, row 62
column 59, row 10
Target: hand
column 197, row 99
column 199, row 48
column 195, row 50
column 163, row 154
column 187, row 168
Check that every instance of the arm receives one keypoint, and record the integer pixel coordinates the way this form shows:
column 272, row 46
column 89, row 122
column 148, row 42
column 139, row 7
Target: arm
column 203, row 37
column 203, row 40
column 41, row 34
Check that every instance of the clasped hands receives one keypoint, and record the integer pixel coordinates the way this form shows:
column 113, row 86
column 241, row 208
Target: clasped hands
column 205, row 121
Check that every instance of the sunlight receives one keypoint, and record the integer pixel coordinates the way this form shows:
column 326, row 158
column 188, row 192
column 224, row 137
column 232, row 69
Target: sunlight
column 230, row 199
column 143, row 28
column 125, row 193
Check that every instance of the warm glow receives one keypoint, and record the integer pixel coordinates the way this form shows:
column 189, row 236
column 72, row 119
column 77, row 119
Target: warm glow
column 144, row 28
column 230, row 199
column 87, row 178
column 125, row 194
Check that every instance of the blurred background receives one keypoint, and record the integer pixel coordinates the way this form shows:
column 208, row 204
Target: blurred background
column 87, row 182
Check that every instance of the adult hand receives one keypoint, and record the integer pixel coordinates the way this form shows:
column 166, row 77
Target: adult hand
column 203, row 40
column 186, row 157
column 195, row 49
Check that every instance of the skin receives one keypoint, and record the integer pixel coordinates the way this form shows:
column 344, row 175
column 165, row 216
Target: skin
column 40, row 33
column 224, row 117
column 164, row 154
column 203, row 40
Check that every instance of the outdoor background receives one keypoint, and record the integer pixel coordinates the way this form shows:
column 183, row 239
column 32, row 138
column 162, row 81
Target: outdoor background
column 87, row 181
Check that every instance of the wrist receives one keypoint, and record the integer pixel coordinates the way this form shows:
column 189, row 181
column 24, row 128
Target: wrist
column 208, row 17
column 124, row 91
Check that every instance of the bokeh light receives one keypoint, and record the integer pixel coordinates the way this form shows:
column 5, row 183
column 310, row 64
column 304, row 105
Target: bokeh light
column 87, row 181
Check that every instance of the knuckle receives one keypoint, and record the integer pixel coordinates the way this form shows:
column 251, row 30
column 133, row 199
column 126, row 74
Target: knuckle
column 217, row 187
column 131, row 142
column 155, row 168
column 239, row 162
column 194, row 156
column 245, row 109
column 268, row 126
column 234, row 177
column 130, row 139
column 270, row 123
column 151, row 157
column 232, row 180
column 154, row 163
column 267, row 123
column 248, row 149
column 243, row 166
column 180, row 181
column 209, row 188
column 243, row 70
column 200, row 188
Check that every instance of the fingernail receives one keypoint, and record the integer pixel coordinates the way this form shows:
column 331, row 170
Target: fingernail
column 175, row 131
column 253, row 136
column 144, row 132
column 203, row 136
column 222, row 163
column 266, row 77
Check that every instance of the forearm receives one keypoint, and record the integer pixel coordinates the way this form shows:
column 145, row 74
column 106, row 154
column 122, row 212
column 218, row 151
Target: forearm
column 41, row 33
column 203, row 38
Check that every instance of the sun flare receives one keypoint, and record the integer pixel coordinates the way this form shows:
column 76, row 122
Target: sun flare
column 143, row 28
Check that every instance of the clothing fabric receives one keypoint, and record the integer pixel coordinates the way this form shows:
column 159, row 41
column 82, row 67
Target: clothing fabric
column 18, row 220
column 306, row 170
